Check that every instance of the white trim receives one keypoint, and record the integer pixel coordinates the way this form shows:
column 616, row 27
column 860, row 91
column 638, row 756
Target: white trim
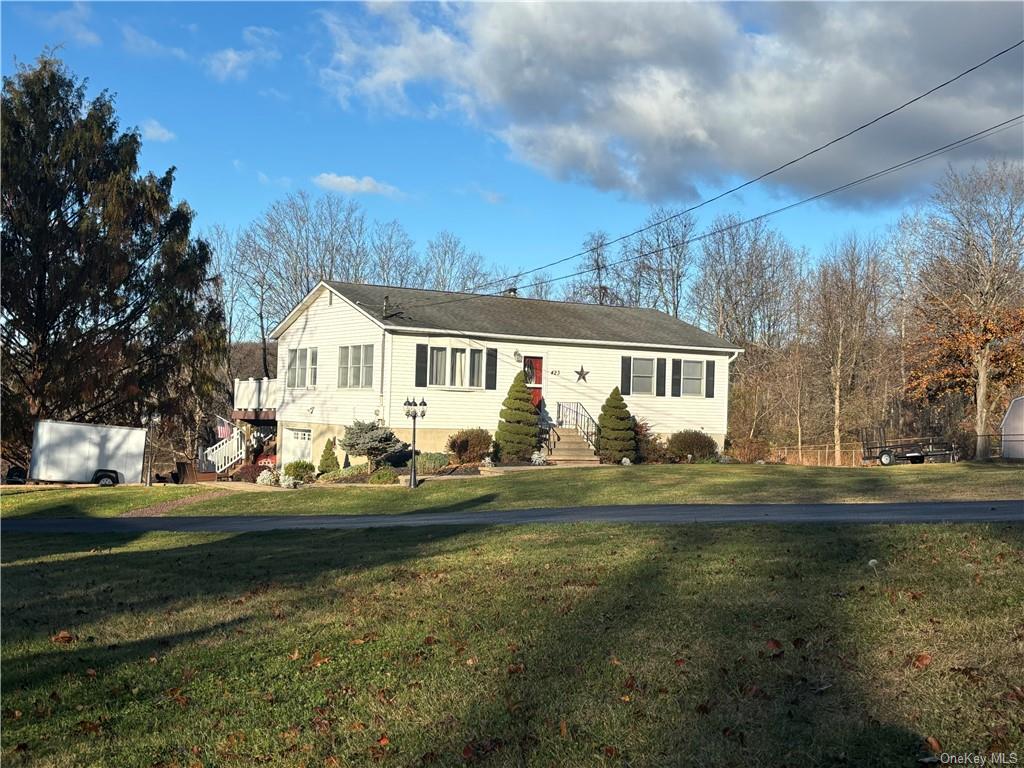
column 307, row 301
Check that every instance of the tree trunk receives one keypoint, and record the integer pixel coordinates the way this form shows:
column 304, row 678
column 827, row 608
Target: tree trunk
column 982, row 448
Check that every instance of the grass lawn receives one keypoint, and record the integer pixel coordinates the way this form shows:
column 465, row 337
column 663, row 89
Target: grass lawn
column 574, row 645
column 87, row 501
column 702, row 483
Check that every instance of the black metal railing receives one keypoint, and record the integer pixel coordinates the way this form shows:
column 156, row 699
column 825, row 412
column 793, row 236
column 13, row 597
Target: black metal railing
column 575, row 416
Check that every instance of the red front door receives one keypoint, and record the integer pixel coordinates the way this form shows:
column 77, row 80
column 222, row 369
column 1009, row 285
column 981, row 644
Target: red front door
column 533, row 369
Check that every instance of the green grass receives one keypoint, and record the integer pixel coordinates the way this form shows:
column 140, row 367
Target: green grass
column 578, row 645
column 88, row 501
column 696, row 484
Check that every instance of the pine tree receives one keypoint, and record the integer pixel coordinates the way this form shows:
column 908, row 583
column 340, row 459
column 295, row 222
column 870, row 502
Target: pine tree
column 518, row 433
column 369, row 439
column 328, row 459
column 617, row 440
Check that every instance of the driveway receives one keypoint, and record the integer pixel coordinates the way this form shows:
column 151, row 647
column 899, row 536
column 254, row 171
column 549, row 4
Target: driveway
column 665, row 514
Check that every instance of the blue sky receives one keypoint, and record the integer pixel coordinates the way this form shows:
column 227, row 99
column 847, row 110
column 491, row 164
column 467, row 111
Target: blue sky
column 425, row 114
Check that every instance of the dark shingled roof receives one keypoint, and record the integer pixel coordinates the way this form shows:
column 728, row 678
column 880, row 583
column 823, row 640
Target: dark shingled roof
column 512, row 316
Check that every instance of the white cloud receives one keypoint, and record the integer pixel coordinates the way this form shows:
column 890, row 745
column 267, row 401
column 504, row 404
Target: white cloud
column 658, row 101
column 350, row 185
column 153, row 131
column 138, row 43
column 280, row 181
column 235, row 63
column 73, row 22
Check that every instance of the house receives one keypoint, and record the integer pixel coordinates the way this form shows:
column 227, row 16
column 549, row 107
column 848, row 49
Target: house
column 357, row 352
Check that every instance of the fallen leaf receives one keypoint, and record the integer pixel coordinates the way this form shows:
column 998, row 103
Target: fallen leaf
column 922, row 660
column 429, row 640
column 680, row 662
column 933, row 745
column 614, row 660
column 63, row 638
column 563, row 729
column 317, row 660
column 515, row 669
column 383, row 740
column 774, row 645
column 90, row 672
column 294, row 655
column 90, row 726
column 357, row 726
column 610, row 751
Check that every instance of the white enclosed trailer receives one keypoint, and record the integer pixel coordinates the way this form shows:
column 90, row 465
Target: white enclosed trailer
column 1013, row 430
column 67, row 452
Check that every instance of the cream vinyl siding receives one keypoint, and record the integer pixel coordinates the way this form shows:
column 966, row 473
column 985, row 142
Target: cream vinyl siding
column 463, row 407
column 327, row 327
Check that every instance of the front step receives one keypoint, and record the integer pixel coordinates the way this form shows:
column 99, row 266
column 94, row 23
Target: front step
column 571, row 448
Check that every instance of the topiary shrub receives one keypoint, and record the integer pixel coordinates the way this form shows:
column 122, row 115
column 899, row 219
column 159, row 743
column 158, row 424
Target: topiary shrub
column 328, row 459
column 369, row 439
column 691, row 443
column 749, row 450
column 616, row 438
column 518, row 433
column 383, row 476
column 470, row 445
column 301, row 470
column 268, row 477
column 247, row 473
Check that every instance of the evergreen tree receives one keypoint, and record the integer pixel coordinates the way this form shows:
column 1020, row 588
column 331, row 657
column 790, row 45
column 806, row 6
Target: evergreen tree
column 369, row 439
column 617, row 439
column 518, row 433
column 328, row 459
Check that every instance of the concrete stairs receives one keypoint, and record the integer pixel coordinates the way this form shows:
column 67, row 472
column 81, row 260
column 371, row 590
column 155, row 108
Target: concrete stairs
column 571, row 448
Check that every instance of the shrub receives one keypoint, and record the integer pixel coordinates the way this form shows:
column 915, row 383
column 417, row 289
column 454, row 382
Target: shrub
column 247, row 473
column 287, row 481
column 691, row 443
column 649, row 447
column 470, row 445
column 518, row 433
column 303, row 471
column 749, row 449
column 268, row 477
column 369, row 439
column 538, row 459
column 616, row 439
column 383, row 476
column 625, row 461
column 341, row 475
column 328, row 459
column 431, row 463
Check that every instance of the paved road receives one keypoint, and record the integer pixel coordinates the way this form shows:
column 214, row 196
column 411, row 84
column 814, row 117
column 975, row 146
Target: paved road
column 922, row 512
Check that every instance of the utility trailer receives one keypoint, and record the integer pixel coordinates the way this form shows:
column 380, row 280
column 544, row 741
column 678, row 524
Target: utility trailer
column 876, row 446
column 68, row 452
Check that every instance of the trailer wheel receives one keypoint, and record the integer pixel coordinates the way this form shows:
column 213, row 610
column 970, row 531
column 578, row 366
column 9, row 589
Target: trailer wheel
column 886, row 459
column 105, row 479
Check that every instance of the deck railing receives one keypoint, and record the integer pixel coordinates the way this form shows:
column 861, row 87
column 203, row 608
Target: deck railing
column 257, row 394
column 575, row 416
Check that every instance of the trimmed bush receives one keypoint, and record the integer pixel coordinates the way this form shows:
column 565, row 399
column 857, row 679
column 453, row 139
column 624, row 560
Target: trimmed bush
column 383, row 476
column 247, row 473
column 303, row 471
column 328, row 459
column 749, row 450
column 369, row 439
column 470, row 445
column 518, row 433
column 341, row 475
column 691, row 442
column 430, row 463
column 268, row 477
column 616, row 438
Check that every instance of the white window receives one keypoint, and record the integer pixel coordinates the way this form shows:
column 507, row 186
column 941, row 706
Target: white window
column 355, row 366
column 643, row 375
column 301, row 367
column 438, row 356
column 693, row 377
column 457, row 371
column 476, row 367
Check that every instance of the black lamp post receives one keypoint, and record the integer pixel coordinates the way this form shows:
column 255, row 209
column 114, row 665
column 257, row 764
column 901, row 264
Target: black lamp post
column 414, row 412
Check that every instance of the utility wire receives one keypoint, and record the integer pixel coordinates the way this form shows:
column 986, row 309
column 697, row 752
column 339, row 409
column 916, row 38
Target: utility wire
column 756, row 179
column 966, row 140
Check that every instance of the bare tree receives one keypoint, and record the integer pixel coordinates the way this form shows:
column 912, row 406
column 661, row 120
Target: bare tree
column 657, row 263
column 972, row 271
column 540, row 286
column 393, row 259
column 232, row 283
column 594, row 284
column 450, row 266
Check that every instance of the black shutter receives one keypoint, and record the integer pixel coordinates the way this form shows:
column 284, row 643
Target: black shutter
column 709, row 378
column 491, row 380
column 421, row 365
column 659, row 382
column 677, row 378
column 627, row 376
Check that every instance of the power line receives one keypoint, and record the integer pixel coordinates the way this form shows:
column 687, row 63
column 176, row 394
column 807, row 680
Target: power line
column 763, row 176
column 963, row 142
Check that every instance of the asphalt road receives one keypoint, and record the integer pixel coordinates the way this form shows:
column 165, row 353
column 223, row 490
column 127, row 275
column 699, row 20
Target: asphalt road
column 670, row 514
